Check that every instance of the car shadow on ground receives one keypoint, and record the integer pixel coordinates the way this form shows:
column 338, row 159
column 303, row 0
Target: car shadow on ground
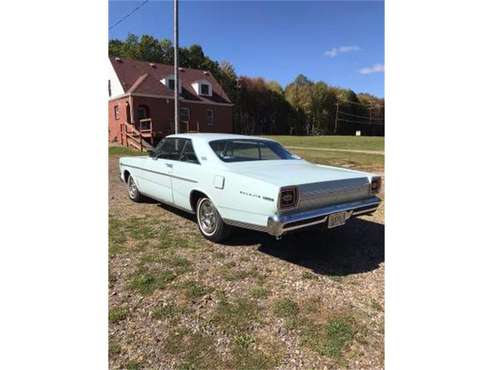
column 174, row 210
column 356, row 247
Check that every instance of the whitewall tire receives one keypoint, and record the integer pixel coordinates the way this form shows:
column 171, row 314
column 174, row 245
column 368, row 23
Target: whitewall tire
column 210, row 223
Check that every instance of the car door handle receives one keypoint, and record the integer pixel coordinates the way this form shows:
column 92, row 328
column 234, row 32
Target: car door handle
column 169, row 165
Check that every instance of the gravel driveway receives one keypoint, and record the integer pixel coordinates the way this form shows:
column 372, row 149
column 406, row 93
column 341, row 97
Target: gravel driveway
column 312, row 300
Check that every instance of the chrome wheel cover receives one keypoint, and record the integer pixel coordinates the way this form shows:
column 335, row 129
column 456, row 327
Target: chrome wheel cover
column 132, row 188
column 207, row 217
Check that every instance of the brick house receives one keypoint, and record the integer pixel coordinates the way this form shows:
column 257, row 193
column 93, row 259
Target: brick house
column 141, row 104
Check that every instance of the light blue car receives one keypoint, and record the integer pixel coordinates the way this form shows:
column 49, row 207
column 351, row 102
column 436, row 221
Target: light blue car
column 247, row 182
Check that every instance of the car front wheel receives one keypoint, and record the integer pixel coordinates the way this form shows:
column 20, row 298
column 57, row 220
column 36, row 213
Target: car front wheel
column 211, row 225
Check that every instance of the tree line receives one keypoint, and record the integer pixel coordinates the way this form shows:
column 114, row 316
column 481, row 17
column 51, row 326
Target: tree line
column 303, row 107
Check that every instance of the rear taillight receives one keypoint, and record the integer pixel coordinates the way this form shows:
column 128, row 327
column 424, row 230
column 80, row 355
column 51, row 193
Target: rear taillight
column 376, row 184
column 288, row 198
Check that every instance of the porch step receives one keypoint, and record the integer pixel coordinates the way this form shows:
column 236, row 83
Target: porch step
column 132, row 137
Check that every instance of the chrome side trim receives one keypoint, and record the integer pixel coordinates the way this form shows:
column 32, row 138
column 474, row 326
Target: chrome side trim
column 161, row 173
column 245, row 225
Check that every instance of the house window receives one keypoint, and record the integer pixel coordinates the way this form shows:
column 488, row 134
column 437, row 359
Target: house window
column 184, row 114
column 204, row 89
column 210, row 117
column 171, row 84
column 142, row 112
column 117, row 112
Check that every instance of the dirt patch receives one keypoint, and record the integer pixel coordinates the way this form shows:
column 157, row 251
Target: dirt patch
column 311, row 300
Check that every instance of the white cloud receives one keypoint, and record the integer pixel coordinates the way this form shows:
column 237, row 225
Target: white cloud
column 373, row 69
column 332, row 53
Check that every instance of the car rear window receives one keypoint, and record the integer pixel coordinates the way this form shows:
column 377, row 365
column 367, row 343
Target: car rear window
column 241, row 150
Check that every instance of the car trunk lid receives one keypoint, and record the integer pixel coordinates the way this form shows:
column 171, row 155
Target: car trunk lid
column 318, row 186
column 294, row 172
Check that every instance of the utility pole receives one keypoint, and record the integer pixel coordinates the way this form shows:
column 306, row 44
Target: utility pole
column 371, row 127
column 337, row 115
column 177, row 78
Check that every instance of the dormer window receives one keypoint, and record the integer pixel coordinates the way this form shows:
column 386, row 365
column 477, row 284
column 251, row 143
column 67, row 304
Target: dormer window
column 202, row 87
column 170, row 82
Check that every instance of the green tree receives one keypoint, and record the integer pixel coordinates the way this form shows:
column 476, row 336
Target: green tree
column 299, row 94
column 150, row 49
column 168, row 51
column 275, row 87
column 302, row 80
column 323, row 107
column 196, row 57
column 265, row 107
column 130, row 48
column 115, row 48
column 262, row 108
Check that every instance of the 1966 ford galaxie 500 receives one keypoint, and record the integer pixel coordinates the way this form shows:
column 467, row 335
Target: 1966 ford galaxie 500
column 249, row 182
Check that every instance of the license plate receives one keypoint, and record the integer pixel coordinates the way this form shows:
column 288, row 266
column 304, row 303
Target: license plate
column 337, row 219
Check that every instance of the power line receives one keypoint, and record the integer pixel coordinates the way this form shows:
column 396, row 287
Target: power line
column 129, row 14
column 355, row 115
column 364, row 105
column 360, row 122
column 352, row 102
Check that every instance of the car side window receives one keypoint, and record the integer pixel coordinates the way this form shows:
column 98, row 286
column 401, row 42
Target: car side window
column 170, row 148
column 188, row 154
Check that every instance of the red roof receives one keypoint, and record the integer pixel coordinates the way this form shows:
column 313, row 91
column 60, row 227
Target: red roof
column 145, row 78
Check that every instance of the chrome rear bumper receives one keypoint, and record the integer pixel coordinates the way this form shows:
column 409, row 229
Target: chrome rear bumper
column 280, row 224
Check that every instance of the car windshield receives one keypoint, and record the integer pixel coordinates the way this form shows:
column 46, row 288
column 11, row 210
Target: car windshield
column 240, row 150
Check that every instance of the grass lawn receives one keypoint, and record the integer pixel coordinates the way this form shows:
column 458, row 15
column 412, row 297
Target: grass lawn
column 122, row 151
column 363, row 161
column 178, row 301
column 333, row 142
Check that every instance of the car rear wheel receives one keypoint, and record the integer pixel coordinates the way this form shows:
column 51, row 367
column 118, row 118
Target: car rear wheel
column 211, row 225
column 133, row 192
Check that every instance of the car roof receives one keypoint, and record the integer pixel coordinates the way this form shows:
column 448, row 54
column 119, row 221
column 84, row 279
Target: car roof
column 209, row 136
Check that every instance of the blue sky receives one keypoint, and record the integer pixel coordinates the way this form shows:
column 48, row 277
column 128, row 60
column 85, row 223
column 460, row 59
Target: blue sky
column 338, row 42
